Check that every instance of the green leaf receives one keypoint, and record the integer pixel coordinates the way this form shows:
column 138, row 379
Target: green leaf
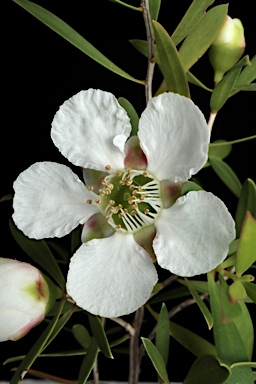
column 202, row 36
column 237, row 291
column 100, row 335
column 154, row 8
column 227, row 175
column 247, row 202
column 250, row 290
column 194, row 80
column 191, row 341
column 248, row 74
column 189, row 186
column 88, row 362
column 229, row 311
column 156, row 359
column 6, row 197
column 207, row 369
column 37, row 348
column 203, row 308
column 173, row 293
column 39, row 251
column 241, row 374
column 171, row 66
column 62, row 252
column 246, row 253
column 233, row 247
column 162, row 334
column 244, row 87
column 81, row 335
column 221, row 151
column 73, row 37
column 191, row 18
column 233, row 340
column 131, row 112
column 223, row 89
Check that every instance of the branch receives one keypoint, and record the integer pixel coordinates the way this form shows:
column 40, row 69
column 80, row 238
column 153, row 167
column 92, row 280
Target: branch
column 134, row 347
column 150, row 40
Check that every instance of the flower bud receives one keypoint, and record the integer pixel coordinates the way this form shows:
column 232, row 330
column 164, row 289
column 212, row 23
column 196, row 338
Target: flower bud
column 227, row 48
column 24, row 298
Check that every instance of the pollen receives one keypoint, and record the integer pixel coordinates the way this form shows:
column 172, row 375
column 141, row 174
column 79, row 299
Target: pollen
column 108, row 167
column 89, row 201
column 90, row 187
column 98, row 201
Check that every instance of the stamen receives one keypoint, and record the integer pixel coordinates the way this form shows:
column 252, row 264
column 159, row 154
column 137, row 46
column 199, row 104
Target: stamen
column 108, row 167
column 89, row 201
column 90, row 187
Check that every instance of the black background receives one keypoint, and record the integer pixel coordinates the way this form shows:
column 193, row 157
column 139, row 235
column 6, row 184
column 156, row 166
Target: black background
column 40, row 70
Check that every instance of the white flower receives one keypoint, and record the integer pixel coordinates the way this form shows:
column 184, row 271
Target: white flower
column 24, row 297
column 112, row 274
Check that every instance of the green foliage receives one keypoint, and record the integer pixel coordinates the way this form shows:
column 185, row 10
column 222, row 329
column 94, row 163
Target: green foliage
column 156, row 359
column 131, row 112
column 226, row 174
column 88, row 362
column 39, row 251
column 171, row 66
column 162, row 334
column 69, row 34
column 246, row 254
column 247, row 202
column 100, row 335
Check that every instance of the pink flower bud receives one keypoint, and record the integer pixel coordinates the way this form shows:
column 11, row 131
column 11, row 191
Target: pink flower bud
column 227, row 48
column 24, row 297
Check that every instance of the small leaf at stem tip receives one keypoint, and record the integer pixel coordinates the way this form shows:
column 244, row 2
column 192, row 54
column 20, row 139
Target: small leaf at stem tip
column 250, row 290
column 171, row 66
column 7, row 197
column 156, row 359
column 202, row 36
column 229, row 310
column 223, row 89
column 227, row 175
column 73, row 37
column 247, row 202
column 81, row 335
column 248, row 74
column 237, row 291
column 221, row 151
column 246, row 253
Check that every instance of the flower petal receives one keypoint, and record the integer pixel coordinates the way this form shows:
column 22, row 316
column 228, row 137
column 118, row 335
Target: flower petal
column 111, row 277
column 50, row 201
column 174, row 137
column 194, row 234
column 90, row 130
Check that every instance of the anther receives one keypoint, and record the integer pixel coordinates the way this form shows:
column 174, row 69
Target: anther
column 131, row 187
column 146, row 211
column 118, row 172
column 90, row 187
column 112, row 202
column 145, row 174
column 142, row 197
column 98, row 201
column 118, row 226
column 89, row 201
column 108, row 167
column 135, row 206
column 133, row 212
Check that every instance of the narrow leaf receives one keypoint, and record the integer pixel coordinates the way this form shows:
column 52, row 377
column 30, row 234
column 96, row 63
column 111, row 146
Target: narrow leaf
column 39, row 251
column 223, row 89
column 202, row 36
column 246, row 254
column 247, row 202
column 88, row 362
column 154, row 8
column 37, row 348
column 73, row 37
column 194, row 80
column 171, row 66
column 191, row 18
column 250, row 290
column 248, row 74
column 202, row 306
column 207, row 369
column 191, row 341
column 100, row 335
column 6, row 197
column 220, row 151
column 156, row 359
column 237, row 291
column 162, row 334
column 244, row 87
column 189, row 186
column 233, row 340
column 131, row 112
column 229, row 311
column 227, row 175
column 81, row 335
column 173, row 293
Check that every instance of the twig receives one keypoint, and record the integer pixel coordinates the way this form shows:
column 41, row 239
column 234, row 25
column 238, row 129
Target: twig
column 134, row 347
column 128, row 327
column 95, row 372
column 211, row 120
column 47, row 376
column 150, row 40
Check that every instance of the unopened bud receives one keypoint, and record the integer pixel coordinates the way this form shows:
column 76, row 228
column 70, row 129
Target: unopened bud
column 227, row 48
column 24, row 298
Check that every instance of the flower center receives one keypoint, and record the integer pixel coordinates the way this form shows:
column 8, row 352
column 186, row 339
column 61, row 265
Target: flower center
column 131, row 199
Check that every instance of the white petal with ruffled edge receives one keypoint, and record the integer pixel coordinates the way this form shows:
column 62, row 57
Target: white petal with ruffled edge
column 90, row 130
column 194, row 234
column 111, row 277
column 50, row 201
column 174, row 137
